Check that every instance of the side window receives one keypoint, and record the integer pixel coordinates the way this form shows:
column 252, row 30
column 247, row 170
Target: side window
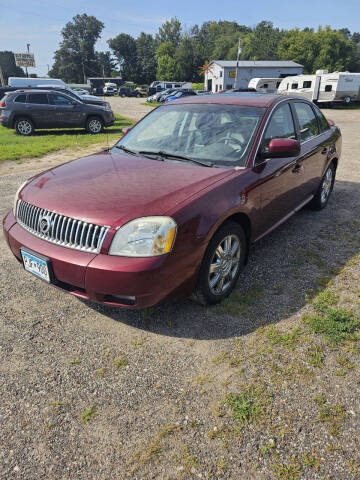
column 328, row 88
column 266, row 85
column 307, row 121
column 281, row 125
column 307, row 84
column 38, row 98
column 60, row 100
column 20, row 99
column 323, row 123
column 294, row 86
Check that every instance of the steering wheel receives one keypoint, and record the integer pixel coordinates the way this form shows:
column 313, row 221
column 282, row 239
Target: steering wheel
column 230, row 140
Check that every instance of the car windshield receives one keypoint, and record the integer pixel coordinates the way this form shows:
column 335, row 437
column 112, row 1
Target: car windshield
column 216, row 133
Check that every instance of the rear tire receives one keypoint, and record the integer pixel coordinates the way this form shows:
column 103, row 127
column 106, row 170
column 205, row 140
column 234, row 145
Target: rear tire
column 24, row 126
column 94, row 125
column 222, row 263
column 325, row 188
column 347, row 100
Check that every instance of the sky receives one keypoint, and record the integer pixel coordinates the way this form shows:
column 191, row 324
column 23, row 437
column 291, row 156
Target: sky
column 39, row 22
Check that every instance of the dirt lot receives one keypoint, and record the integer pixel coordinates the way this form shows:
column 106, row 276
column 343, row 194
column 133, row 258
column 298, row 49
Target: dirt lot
column 247, row 390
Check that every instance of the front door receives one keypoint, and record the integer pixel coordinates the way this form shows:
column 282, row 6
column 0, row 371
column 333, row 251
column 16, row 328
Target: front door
column 278, row 178
column 40, row 110
column 68, row 112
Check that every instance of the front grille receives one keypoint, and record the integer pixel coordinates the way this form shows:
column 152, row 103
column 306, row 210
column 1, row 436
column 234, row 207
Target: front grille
column 56, row 228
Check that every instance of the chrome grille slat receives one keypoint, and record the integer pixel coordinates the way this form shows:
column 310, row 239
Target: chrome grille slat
column 65, row 231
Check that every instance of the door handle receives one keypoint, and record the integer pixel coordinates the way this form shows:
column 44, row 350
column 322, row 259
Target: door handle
column 324, row 151
column 298, row 168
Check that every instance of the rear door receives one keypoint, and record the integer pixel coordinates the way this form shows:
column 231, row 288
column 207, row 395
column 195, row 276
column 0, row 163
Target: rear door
column 314, row 134
column 40, row 110
column 68, row 112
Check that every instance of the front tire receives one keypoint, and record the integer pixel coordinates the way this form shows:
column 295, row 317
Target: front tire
column 222, row 263
column 347, row 100
column 323, row 193
column 24, row 126
column 94, row 125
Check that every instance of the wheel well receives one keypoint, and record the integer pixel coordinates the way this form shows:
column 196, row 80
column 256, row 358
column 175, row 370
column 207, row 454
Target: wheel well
column 244, row 221
column 27, row 117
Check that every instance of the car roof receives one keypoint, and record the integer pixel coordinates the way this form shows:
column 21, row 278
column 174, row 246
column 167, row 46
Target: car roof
column 37, row 90
column 244, row 99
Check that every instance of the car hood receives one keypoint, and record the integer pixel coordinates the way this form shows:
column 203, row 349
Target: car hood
column 112, row 188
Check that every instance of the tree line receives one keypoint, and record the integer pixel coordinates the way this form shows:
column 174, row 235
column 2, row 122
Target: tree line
column 178, row 53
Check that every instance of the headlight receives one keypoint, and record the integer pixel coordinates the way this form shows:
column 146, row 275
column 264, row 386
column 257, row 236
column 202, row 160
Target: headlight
column 144, row 237
column 16, row 198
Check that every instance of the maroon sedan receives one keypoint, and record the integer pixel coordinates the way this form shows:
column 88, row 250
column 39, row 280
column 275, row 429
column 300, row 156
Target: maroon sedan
column 173, row 207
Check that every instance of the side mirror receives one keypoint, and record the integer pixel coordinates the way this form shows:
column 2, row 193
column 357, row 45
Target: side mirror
column 126, row 130
column 281, row 148
column 331, row 123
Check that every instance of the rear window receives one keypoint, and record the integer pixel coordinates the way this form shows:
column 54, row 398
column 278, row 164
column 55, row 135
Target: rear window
column 38, row 98
column 20, row 99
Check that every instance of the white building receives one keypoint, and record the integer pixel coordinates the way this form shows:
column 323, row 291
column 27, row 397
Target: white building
column 221, row 74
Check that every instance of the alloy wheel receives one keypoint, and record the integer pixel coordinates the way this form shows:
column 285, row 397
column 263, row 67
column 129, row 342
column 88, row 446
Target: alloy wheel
column 224, row 265
column 24, row 127
column 95, row 126
column 326, row 185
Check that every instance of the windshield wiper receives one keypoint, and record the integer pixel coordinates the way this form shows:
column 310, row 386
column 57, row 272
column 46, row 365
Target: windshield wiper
column 127, row 150
column 180, row 157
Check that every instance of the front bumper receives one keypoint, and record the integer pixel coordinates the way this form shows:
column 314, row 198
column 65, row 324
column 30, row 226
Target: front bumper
column 119, row 281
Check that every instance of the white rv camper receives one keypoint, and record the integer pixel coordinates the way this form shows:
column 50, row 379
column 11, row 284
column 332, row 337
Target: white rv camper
column 323, row 87
column 265, row 85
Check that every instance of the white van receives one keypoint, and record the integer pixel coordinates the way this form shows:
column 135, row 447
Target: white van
column 324, row 87
column 265, row 85
column 25, row 82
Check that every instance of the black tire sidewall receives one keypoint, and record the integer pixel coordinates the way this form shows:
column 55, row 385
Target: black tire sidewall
column 203, row 292
column 316, row 203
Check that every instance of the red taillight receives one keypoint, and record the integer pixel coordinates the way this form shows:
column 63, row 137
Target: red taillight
column 2, row 104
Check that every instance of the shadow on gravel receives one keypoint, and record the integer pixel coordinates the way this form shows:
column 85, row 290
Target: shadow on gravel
column 285, row 270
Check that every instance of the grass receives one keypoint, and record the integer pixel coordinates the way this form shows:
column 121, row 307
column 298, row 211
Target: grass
column 288, row 340
column 16, row 147
column 288, row 471
column 152, row 104
column 120, row 362
column 331, row 415
column 336, row 325
column 249, row 405
column 88, row 414
column 239, row 302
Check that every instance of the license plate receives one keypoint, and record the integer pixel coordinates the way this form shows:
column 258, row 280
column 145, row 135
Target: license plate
column 35, row 265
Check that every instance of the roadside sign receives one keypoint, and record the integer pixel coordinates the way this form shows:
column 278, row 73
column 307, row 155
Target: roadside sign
column 24, row 59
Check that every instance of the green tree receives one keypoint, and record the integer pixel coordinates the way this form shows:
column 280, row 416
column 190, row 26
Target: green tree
column 8, row 66
column 105, row 65
column 75, row 59
column 262, row 43
column 299, row 46
column 124, row 49
column 167, row 68
column 145, row 48
column 170, row 31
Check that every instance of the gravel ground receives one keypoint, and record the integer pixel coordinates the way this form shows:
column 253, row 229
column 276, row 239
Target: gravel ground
column 239, row 391
column 130, row 107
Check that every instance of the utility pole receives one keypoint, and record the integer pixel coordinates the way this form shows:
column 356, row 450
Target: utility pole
column 237, row 65
column 28, row 50
column 2, row 81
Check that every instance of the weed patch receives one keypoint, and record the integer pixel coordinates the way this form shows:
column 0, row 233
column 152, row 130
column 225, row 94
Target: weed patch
column 336, row 325
column 248, row 405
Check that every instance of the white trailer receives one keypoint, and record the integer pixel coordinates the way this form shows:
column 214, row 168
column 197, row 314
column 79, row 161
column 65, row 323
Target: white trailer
column 324, row 87
column 265, row 85
column 160, row 85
